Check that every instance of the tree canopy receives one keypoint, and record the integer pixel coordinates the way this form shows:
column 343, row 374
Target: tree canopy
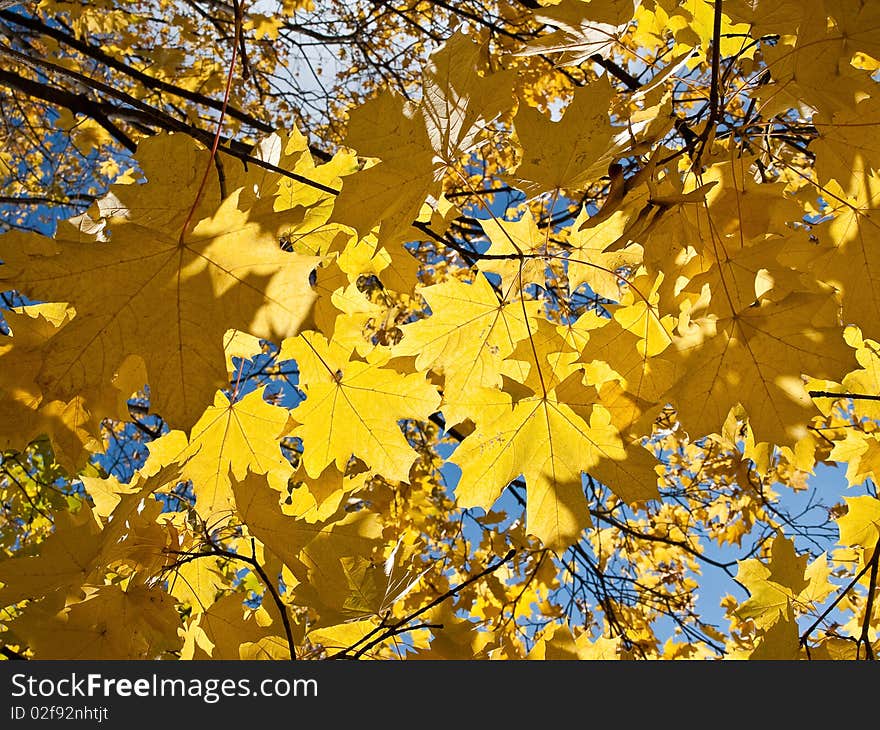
column 419, row 329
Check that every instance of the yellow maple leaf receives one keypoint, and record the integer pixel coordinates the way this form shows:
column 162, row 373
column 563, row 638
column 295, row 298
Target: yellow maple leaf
column 324, row 584
column 861, row 454
column 468, row 334
column 588, row 261
column 197, row 583
column 544, row 440
column 111, row 623
column 581, row 29
column 853, row 235
column 525, row 247
column 390, row 192
column 861, row 524
column 352, row 408
column 461, row 96
column 756, row 357
column 158, row 291
column 376, row 587
column 220, row 631
column 65, row 560
column 569, row 153
column 638, row 313
column 232, row 436
column 774, row 587
column 780, row 641
column 416, row 143
column 260, row 510
column 615, row 360
column 24, row 413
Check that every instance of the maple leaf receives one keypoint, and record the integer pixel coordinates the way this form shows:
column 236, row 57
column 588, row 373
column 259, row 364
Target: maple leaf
column 544, row 440
column 861, row 523
column 390, row 192
column 466, row 337
column 416, row 143
column 221, row 630
column 588, row 261
column 779, row 642
column 111, row 623
column 633, row 473
column 861, row 454
column 844, row 152
column 615, row 358
column 525, row 247
column 259, row 508
column 569, row 153
column 197, row 583
column 813, row 67
column 151, row 291
column 756, row 357
column 64, row 561
column 853, row 235
column 559, row 644
column 582, row 30
column 866, row 378
column 352, row 408
column 132, row 533
column 324, row 583
column 461, row 96
column 376, row 588
column 232, row 436
column 639, row 313
column 775, row 587
column 69, row 425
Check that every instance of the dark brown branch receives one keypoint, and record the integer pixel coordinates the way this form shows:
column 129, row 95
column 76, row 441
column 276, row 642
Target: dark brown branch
column 80, row 104
column 620, row 73
column 45, row 200
column 853, row 396
column 864, row 638
column 76, row 103
column 840, row 597
column 149, row 82
column 12, row 654
column 147, row 113
column 484, row 191
column 715, row 102
column 715, row 91
column 254, row 563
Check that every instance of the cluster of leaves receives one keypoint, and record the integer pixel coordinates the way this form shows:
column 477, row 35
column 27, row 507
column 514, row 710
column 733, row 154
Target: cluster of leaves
column 580, row 301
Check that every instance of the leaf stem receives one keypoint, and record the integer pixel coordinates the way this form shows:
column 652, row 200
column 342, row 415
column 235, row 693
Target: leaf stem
column 216, row 144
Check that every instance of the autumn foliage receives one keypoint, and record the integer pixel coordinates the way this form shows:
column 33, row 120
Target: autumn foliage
column 522, row 330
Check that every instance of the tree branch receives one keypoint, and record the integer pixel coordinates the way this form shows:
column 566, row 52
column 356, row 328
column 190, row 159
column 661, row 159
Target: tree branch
column 12, row 654
column 76, row 103
column 864, row 637
column 149, row 82
column 840, row 597
column 853, row 396
column 140, row 111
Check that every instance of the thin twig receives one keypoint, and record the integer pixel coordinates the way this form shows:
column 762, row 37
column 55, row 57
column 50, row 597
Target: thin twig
column 869, row 606
column 853, row 396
